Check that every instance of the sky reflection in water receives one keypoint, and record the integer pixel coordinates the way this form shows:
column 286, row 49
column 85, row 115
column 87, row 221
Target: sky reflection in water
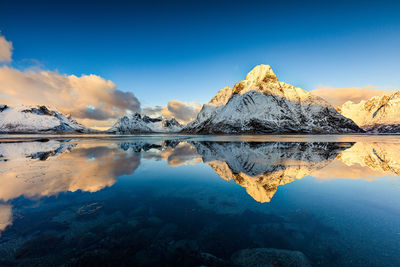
column 175, row 200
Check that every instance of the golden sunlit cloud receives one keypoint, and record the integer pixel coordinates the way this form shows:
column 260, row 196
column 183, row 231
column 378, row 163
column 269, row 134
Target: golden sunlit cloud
column 5, row 50
column 338, row 96
column 184, row 112
column 90, row 99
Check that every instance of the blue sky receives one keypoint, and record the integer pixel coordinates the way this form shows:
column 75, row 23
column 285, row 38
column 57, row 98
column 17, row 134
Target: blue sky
column 188, row 50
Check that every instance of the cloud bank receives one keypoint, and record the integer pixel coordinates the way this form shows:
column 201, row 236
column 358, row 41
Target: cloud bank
column 5, row 50
column 91, row 99
column 184, row 112
column 338, row 96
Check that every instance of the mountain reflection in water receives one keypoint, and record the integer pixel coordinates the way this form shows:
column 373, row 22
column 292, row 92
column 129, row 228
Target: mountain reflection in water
column 33, row 170
column 262, row 167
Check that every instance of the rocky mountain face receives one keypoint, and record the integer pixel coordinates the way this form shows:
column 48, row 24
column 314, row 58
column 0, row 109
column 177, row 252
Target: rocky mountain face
column 379, row 114
column 262, row 104
column 262, row 167
column 137, row 123
column 37, row 119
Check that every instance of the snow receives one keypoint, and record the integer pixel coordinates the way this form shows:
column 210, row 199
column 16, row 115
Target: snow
column 377, row 114
column 137, row 123
column 34, row 119
column 262, row 104
column 221, row 97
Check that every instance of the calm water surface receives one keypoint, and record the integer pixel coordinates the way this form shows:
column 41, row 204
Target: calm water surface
column 200, row 201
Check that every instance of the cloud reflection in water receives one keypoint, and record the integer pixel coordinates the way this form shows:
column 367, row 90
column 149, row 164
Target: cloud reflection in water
column 37, row 169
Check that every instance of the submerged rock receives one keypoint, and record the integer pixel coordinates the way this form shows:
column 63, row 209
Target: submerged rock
column 265, row 257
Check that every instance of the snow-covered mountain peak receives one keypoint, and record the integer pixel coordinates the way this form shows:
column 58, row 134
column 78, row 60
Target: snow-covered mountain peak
column 222, row 97
column 261, row 73
column 262, row 78
column 36, row 119
column 377, row 114
column 262, row 104
column 136, row 123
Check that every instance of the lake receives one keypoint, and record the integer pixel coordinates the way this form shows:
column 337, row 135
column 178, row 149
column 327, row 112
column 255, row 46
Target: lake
column 174, row 200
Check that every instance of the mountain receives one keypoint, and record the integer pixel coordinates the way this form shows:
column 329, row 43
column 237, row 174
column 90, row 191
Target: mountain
column 137, row 123
column 379, row 114
column 262, row 104
column 262, row 167
column 37, row 119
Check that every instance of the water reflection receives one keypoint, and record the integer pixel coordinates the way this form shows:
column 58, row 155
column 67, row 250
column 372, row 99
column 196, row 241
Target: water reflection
column 174, row 152
column 5, row 216
column 384, row 158
column 101, row 216
column 37, row 169
column 262, row 167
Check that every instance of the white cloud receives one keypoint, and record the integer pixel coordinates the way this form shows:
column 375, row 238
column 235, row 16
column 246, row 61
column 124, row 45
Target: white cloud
column 5, row 50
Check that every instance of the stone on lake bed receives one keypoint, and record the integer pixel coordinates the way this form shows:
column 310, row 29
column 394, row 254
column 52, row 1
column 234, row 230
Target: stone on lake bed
column 265, row 257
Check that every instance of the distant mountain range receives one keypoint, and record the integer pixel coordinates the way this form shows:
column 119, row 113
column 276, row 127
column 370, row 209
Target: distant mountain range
column 37, row 119
column 379, row 114
column 143, row 124
column 260, row 104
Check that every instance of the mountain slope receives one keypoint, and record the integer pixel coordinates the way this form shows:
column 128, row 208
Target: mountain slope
column 377, row 114
column 37, row 119
column 143, row 124
column 262, row 104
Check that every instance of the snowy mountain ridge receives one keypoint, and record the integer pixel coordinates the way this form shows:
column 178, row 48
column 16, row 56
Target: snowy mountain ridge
column 37, row 119
column 377, row 114
column 137, row 123
column 262, row 104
